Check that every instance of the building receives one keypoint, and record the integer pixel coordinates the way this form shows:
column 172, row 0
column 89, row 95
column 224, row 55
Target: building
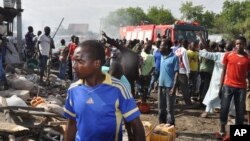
column 78, row 28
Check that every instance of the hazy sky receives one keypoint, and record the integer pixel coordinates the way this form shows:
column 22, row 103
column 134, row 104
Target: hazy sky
column 40, row 13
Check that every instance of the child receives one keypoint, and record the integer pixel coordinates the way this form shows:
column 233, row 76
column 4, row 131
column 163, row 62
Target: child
column 96, row 103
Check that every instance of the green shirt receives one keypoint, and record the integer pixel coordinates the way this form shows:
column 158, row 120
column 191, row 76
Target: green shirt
column 206, row 65
column 148, row 63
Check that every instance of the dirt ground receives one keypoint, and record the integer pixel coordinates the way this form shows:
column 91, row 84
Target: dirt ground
column 190, row 126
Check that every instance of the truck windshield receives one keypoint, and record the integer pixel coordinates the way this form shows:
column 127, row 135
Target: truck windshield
column 186, row 35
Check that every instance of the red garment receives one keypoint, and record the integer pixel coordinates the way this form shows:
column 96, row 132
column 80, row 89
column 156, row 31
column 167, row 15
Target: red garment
column 237, row 68
column 107, row 52
column 72, row 48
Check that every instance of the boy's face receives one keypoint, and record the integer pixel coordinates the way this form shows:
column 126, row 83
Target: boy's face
column 84, row 66
column 239, row 44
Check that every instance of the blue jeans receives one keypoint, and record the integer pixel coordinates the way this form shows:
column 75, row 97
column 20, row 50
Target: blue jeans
column 154, row 78
column 166, row 106
column 239, row 100
column 3, row 79
column 62, row 69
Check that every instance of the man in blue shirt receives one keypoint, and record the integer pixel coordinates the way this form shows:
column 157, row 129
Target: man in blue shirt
column 97, row 102
column 167, row 83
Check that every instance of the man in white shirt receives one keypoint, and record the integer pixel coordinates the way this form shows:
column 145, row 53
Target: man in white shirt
column 44, row 45
column 184, row 70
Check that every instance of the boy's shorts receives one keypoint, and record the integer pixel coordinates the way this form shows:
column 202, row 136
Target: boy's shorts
column 248, row 102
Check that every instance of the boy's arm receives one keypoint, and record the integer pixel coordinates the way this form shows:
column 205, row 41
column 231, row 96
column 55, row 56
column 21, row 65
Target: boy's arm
column 176, row 70
column 38, row 49
column 224, row 69
column 138, row 133
column 110, row 40
column 70, row 130
column 131, row 113
column 173, row 90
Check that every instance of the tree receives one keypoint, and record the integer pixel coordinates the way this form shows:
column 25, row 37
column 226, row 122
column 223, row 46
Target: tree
column 138, row 15
column 234, row 19
column 190, row 12
column 159, row 15
column 208, row 19
column 195, row 13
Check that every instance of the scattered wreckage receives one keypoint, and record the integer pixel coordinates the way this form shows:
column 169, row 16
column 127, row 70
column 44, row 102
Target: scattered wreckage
column 30, row 111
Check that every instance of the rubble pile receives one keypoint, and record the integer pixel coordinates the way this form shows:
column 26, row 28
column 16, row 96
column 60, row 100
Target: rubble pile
column 30, row 110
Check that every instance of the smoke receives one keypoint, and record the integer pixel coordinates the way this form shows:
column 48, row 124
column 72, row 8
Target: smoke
column 116, row 19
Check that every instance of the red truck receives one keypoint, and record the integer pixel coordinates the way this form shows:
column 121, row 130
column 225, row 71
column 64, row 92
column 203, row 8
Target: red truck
column 178, row 30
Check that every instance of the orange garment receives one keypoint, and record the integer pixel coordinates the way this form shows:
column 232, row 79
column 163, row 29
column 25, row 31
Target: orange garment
column 236, row 71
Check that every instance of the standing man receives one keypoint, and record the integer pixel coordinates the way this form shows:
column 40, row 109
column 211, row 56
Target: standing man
column 72, row 48
column 69, row 61
column 235, row 71
column 63, row 59
column 97, row 102
column 30, row 44
column 167, row 83
column 44, row 45
column 146, row 69
column 193, row 58
column 155, row 74
column 3, row 46
column 184, row 71
column 35, row 39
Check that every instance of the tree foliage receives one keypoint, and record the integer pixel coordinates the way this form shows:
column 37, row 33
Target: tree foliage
column 190, row 12
column 159, row 15
column 234, row 18
column 195, row 13
column 207, row 19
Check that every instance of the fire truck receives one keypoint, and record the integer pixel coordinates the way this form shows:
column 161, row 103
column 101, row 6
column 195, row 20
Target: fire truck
column 180, row 30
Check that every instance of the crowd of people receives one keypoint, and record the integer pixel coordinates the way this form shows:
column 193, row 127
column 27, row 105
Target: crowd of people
column 214, row 74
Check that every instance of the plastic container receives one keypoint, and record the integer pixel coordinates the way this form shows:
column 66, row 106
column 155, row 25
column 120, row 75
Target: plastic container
column 148, row 129
column 160, row 137
column 163, row 132
column 170, row 129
